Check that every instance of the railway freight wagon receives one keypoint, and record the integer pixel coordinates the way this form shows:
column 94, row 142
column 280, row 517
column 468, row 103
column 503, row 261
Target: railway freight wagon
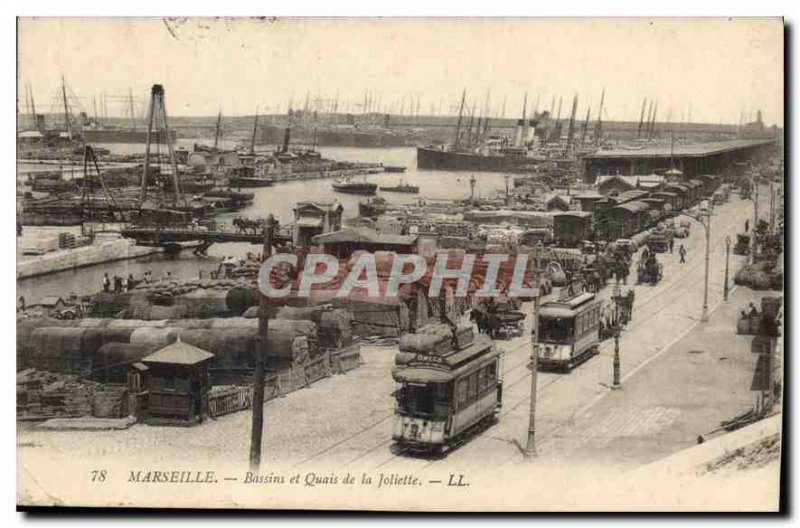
column 571, row 227
column 628, row 219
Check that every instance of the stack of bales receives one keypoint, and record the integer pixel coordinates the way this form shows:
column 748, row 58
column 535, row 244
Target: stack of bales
column 432, row 340
column 334, row 324
column 763, row 275
column 194, row 299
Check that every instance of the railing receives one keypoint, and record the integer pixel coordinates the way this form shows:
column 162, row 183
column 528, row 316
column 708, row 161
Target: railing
column 229, row 400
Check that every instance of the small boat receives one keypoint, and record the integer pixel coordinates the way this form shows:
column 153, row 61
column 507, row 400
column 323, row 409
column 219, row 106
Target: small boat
column 349, row 187
column 245, row 176
column 394, row 168
column 236, row 182
column 372, row 207
column 400, row 188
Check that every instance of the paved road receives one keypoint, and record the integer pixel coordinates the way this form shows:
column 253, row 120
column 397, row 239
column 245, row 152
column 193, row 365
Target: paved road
column 345, row 421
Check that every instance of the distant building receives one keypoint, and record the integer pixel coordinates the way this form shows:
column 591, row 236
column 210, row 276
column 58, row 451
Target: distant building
column 315, row 218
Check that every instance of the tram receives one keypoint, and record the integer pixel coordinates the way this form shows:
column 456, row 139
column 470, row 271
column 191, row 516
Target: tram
column 568, row 331
column 444, row 398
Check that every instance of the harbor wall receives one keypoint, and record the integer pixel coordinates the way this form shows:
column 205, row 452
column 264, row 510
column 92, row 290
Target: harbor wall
column 98, row 253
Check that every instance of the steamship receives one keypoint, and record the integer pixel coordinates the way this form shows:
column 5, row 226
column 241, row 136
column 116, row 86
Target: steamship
column 479, row 152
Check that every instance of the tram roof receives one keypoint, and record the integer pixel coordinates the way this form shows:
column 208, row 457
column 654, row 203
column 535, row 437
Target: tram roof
column 452, row 366
column 565, row 308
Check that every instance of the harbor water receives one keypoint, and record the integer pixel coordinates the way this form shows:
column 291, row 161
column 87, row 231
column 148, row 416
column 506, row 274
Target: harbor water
column 278, row 200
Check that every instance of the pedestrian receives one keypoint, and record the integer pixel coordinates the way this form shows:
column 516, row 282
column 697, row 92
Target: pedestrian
column 106, row 282
column 682, row 253
column 21, row 303
column 117, row 284
column 671, row 244
column 747, row 225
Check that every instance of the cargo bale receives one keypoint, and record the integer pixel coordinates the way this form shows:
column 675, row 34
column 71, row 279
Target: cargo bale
column 109, row 304
column 238, row 299
column 113, row 360
column 136, row 323
column 156, row 336
column 233, row 347
column 191, row 323
column 155, row 312
column 204, row 303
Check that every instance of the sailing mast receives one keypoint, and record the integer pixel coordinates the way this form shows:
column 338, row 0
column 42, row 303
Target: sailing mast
column 130, row 106
column 33, row 109
column 255, row 128
column 523, row 132
column 216, row 132
column 598, row 129
column 66, row 107
column 571, row 129
column 460, row 117
column 585, row 126
column 641, row 119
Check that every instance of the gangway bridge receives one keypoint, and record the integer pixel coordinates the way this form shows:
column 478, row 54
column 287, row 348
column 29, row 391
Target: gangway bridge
column 177, row 238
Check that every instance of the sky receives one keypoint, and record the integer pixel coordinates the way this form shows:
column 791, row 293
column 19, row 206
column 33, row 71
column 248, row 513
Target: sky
column 703, row 70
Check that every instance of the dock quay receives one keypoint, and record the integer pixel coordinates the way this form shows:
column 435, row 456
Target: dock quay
column 104, row 249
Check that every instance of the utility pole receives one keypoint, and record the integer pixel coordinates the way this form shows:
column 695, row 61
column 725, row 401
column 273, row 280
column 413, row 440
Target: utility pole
column 257, row 429
column 707, row 225
column 530, row 446
column 755, row 219
column 616, row 382
column 727, row 257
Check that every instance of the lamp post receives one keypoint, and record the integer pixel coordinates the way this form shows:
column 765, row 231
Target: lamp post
column 707, row 226
column 727, row 258
column 616, row 384
column 530, row 446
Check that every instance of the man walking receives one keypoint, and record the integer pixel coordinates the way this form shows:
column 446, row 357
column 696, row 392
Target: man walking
column 671, row 244
column 682, row 253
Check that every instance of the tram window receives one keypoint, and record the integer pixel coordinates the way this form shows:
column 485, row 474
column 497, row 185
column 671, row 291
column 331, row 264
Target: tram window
column 473, row 386
column 462, row 391
column 555, row 330
column 481, row 379
column 491, row 374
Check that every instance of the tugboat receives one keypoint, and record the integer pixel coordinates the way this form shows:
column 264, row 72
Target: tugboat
column 245, row 176
column 400, row 188
column 373, row 207
column 394, row 168
column 346, row 186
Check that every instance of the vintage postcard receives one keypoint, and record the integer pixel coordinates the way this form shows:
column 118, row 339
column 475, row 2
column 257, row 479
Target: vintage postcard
column 437, row 265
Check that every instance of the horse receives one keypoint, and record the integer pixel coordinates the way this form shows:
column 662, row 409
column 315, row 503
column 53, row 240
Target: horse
column 245, row 224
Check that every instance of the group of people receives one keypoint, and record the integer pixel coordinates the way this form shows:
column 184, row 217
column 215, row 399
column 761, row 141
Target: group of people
column 119, row 284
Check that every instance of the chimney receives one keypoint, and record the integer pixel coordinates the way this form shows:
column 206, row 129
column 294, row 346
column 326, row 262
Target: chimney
column 520, row 126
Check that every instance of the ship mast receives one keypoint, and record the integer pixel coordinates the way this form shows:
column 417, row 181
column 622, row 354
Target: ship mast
column 33, row 109
column 460, row 117
column 158, row 111
column 598, row 129
column 522, row 132
column 66, row 107
column 255, row 128
column 641, row 119
column 133, row 115
column 216, row 132
column 585, row 126
column 571, row 130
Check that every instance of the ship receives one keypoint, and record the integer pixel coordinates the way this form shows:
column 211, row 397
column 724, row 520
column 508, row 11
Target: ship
column 394, row 168
column 117, row 135
column 400, row 188
column 475, row 150
column 373, row 208
column 245, row 176
column 335, row 136
column 349, row 187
